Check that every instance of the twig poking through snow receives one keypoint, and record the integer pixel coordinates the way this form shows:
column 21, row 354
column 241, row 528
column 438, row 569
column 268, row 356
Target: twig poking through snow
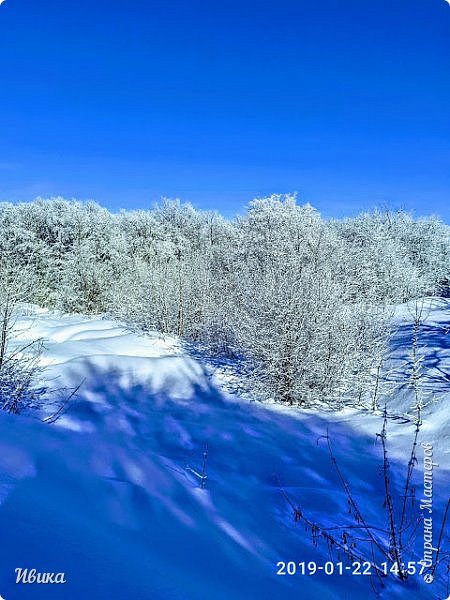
column 202, row 476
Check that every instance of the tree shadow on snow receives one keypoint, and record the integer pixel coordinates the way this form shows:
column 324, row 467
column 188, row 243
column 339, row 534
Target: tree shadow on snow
column 139, row 449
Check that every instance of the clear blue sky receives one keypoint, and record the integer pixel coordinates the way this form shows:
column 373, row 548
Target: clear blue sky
column 345, row 101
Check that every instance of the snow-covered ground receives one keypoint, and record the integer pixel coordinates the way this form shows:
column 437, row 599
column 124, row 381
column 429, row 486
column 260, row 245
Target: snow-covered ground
column 111, row 493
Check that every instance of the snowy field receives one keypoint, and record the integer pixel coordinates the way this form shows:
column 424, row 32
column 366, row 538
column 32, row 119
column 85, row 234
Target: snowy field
column 112, row 493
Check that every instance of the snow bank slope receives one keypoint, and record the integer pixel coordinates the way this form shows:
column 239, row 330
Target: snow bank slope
column 111, row 498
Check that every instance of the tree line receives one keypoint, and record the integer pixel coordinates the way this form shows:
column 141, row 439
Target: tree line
column 301, row 300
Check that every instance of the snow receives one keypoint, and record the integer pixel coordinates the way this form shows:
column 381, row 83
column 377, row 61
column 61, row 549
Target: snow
column 110, row 494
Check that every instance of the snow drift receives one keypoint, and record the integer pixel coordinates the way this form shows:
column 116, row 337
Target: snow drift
column 110, row 494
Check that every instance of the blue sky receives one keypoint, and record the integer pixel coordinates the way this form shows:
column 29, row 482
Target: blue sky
column 346, row 102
